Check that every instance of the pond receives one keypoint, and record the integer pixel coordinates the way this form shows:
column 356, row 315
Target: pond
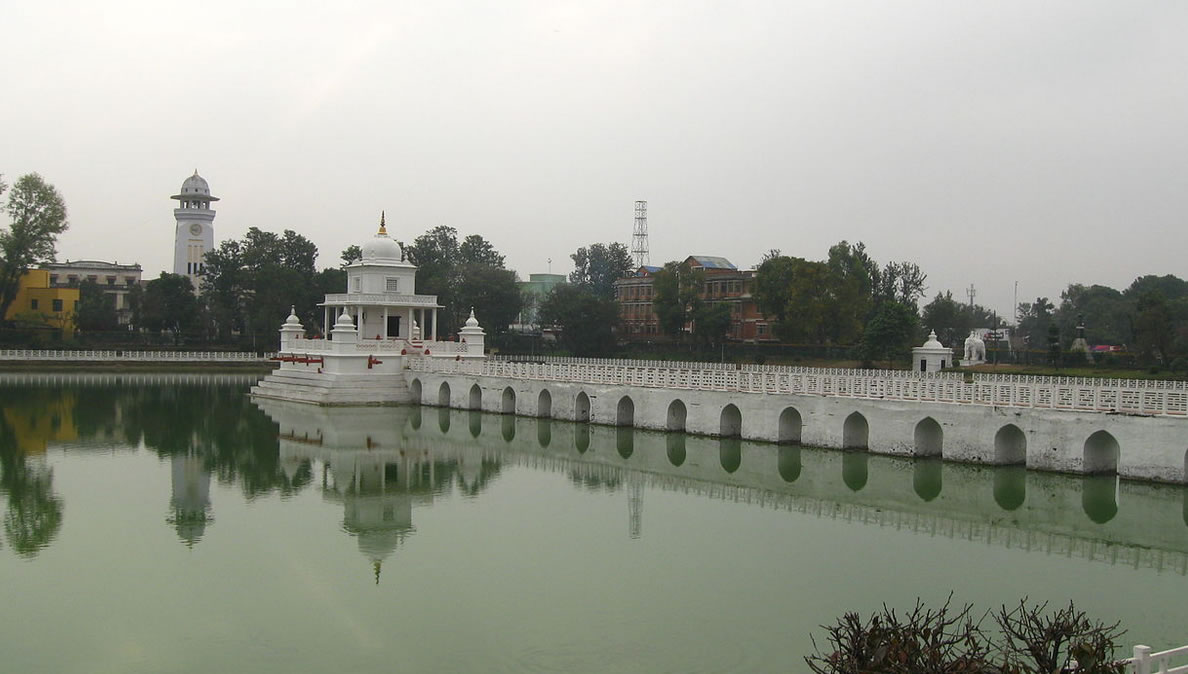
column 167, row 523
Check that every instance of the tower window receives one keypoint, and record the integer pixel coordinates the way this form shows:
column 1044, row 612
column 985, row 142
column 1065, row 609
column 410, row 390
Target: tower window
column 57, row 306
column 392, row 284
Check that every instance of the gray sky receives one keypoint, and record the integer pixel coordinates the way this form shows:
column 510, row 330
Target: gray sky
column 990, row 142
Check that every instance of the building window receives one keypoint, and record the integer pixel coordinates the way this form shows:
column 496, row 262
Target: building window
column 57, row 306
column 110, row 280
column 761, row 329
column 356, row 285
column 130, row 281
column 391, row 284
column 53, row 279
column 33, row 305
column 93, row 278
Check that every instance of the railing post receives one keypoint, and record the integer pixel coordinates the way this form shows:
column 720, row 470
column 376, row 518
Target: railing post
column 1142, row 660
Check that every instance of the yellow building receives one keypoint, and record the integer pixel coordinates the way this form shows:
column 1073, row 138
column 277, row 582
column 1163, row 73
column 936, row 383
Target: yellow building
column 38, row 303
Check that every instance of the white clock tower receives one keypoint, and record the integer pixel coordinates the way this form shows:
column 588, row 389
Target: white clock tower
column 194, row 236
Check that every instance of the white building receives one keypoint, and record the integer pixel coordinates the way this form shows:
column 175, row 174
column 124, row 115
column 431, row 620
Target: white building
column 194, row 236
column 381, row 294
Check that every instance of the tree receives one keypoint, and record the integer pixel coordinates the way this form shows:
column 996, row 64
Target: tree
column 491, row 291
column 677, row 297
column 711, row 323
column 585, row 322
column 477, row 250
column 38, row 216
column 953, row 320
column 890, row 332
column 352, row 253
column 1034, row 320
column 96, row 309
column 597, row 266
column 901, row 282
column 249, row 285
column 1153, row 332
column 1107, row 313
column 794, row 292
column 850, row 290
column 170, row 305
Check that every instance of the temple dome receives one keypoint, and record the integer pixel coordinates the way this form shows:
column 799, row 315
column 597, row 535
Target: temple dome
column 381, row 247
column 933, row 342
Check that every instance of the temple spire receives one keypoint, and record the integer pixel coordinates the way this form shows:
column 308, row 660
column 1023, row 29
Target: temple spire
column 383, row 227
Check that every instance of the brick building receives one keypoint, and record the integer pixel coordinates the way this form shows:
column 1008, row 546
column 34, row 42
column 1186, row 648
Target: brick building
column 724, row 284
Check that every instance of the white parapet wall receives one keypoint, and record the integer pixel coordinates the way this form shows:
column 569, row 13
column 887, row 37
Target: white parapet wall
column 1136, row 428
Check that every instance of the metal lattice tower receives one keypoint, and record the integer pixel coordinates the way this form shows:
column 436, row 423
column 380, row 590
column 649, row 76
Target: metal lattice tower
column 639, row 240
column 635, row 507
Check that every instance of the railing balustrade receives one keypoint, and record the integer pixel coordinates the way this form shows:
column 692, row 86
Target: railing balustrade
column 1146, row 662
column 87, row 355
column 1082, row 394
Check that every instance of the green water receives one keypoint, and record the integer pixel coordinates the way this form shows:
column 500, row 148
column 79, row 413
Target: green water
column 157, row 524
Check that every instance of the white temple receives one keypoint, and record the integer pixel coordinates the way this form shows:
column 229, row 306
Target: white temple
column 369, row 331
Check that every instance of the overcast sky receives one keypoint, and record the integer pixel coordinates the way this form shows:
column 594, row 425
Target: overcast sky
column 990, row 142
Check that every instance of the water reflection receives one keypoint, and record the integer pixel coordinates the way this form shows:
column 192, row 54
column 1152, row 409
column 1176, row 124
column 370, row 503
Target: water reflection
column 1099, row 497
column 1010, row 486
column 926, row 478
column 730, row 453
column 855, row 469
column 789, row 463
column 381, row 463
column 674, row 448
column 625, row 441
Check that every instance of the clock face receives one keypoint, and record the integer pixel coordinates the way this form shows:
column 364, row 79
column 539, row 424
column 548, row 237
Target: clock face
column 195, row 229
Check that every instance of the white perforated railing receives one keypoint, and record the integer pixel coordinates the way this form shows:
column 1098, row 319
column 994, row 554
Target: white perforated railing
column 1127, row 396
column 138, row 356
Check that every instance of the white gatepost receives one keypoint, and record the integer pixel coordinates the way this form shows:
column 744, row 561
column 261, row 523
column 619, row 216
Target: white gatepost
column 291, row 331
column 473, row 336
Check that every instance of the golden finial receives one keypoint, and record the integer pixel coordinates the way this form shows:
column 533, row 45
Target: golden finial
column 383, row 227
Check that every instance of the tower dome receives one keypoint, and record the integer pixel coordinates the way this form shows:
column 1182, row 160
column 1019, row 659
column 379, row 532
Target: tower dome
column 194, row 188
column 381, row 247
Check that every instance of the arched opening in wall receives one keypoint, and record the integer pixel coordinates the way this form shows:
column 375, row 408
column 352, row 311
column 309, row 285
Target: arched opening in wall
column 581, row 407
column 443, row 419
column 625, row 441
column 544, row 404
column 414, row 418
column 544, row 432
column 443, row 394
column 730, row 453
column 730, row 423
column 926, row 478
column 509, row 401
column 856, row 432
column 788, row 463
column 625, row 413
column 507, row 428
column 674, row 445
column 581, row 438
column 475, row 422
column 476, row 398
column 855, row 469
column 1101, row 454
column 1010, row 486
column 676, row 416
column 1010, row 446
column 414, row 391
column 790, row 425
column 1099, row 497
column 928, row 437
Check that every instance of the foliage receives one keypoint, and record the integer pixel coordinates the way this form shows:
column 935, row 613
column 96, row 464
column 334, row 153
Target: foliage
column 676, row 297
column 953, row 320
column 352, row 253
column 598, row 265
column 96, row 309
column 1034, row 320
column 492, row 293
column 459, row 273
column 711, row 322
column 249, row 285
column 38, row 216
column 794, row 292
column 949, row 641
column 585, row 321
column 169, row 305
column 901, row 282
column 890, row 332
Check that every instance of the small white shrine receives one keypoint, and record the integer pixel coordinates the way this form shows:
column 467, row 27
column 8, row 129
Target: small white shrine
column 932, row 356
column 367, row 334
